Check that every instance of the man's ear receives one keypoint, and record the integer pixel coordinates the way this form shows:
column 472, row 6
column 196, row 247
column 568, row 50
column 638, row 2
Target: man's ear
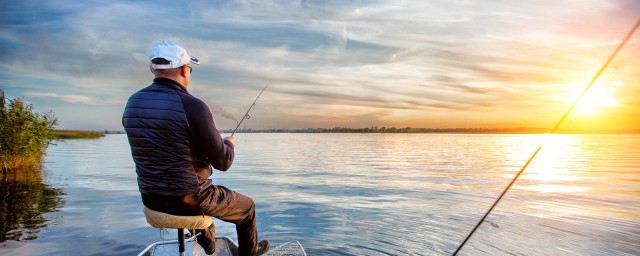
column 183, row 71
column 152, row 70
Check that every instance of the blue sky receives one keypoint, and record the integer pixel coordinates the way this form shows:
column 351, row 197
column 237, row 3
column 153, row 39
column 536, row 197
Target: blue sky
column 331, row 63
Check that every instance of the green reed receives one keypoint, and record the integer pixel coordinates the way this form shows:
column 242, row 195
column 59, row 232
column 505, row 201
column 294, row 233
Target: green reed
column 24, row 135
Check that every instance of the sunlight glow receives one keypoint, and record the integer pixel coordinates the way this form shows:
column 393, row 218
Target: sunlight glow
column 599, row 97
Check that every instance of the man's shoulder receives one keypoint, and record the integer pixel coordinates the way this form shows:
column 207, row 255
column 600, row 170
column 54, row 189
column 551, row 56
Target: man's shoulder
column 149, row 88
column 152, row 90
column 155, row 96
column 192, row 102
column 139, row 93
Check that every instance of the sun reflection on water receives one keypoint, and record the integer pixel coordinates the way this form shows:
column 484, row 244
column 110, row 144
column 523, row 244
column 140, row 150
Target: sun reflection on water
column 549, row 171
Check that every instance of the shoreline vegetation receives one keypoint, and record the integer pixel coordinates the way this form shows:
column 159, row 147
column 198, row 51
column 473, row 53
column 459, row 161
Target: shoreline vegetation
column 24, row 135
column 75, row 134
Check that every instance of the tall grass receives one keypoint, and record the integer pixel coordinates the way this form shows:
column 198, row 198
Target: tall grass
column 24, row 135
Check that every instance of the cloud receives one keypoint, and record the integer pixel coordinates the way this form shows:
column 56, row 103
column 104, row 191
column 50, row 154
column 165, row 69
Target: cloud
column 75, row 99
column 66, row 98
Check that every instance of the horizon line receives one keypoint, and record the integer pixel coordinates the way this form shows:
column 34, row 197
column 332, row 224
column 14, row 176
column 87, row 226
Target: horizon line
column 374, row 129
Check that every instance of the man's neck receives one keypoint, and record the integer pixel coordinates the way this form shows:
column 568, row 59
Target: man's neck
column 178, row 80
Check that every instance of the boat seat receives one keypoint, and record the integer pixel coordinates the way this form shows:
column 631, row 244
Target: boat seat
column 164, row 220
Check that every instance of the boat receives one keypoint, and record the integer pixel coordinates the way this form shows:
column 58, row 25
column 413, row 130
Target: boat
column 225, row 246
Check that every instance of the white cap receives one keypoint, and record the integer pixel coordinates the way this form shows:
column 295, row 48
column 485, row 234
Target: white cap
column 173, row 52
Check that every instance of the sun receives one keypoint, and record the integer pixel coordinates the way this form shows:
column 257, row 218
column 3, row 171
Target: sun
column 599, row 97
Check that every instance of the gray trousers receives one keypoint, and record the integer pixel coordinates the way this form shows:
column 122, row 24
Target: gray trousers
column 231, row 206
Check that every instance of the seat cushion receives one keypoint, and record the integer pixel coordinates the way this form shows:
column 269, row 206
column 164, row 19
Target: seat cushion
column 164, row 220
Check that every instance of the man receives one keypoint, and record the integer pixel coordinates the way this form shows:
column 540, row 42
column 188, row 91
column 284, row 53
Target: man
column 174, row 143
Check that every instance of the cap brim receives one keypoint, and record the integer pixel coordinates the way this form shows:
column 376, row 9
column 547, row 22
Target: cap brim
column 195, row 61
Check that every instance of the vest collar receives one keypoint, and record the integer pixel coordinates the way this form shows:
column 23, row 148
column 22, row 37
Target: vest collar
column 169, row 83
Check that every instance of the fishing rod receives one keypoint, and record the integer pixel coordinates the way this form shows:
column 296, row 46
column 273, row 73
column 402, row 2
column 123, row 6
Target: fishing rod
column 555, row 128
column 246, row 115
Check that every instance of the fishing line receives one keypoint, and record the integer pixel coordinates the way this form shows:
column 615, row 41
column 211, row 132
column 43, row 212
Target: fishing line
column 555, row 128
column 246, row 115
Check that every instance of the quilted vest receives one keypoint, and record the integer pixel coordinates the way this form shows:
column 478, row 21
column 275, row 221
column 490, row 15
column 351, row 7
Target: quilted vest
column 159, row 135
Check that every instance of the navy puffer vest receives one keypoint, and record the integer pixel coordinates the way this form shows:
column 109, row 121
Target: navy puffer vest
column 159, row 136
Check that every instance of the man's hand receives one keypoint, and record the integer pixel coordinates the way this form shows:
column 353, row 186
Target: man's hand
column 232, row 140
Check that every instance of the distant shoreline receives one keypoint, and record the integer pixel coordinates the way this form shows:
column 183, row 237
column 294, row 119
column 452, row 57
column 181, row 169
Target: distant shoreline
column 76, row 134
column 422, row 130
column 434, row 130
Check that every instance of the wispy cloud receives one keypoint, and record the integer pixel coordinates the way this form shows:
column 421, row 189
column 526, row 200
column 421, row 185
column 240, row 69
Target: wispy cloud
column 71, row 98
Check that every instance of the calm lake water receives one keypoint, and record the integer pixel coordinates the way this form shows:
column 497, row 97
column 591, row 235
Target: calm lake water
column 359, row 194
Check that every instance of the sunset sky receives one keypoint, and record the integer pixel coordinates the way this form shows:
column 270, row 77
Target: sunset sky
column 436, row 64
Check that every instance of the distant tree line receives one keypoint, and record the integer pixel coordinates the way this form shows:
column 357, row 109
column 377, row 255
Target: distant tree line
column 375, row 129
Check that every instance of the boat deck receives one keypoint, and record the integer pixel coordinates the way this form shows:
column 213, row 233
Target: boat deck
column 224, row 247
